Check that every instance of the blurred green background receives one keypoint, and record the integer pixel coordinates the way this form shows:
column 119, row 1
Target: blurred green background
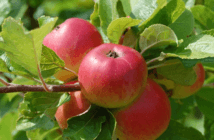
column 30, row 10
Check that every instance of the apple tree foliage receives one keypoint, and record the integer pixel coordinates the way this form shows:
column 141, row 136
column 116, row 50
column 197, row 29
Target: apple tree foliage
column 175, row 33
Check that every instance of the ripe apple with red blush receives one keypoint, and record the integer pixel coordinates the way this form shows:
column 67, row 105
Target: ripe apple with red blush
column 112, row 75
column 71, row 41
column 147, row 117
column 77, row 105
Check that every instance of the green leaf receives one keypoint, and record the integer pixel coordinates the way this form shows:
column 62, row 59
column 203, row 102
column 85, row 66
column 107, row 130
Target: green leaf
column 52, row 81
column 157, row 35
column 13, row 67
column 7, row 125
column 38, row 35
column 177, row 131
column 210, row 79
column 209, row 4
column 41, row 134
column 86, row 126
column 126, row 6
column 205, row 101
column 23, row 81
column 43, row 20
column 189, row 3
column 5, row 8
column 117, row 27
column 166, row 13
column 64, row 98
column 143, row 9
column 18, row 45
column 36, row 103
column 181, row 108
column 204, row 15
column 130, row 39
column 3, row 66
column 208, row 32
column 183, row 25
column 18, row 8
column 40, row 101
column 94, row 18
column 22, row 47
column 120, row 10
column 178, row 73
column 209, row 128
column 33, row 123
column 8, row 105
column 19, row 135
column 52, row 111
column 104, row 36
column 25, row 110
column 107, row 12
column 50, row 62
column 108, row 127
column 195, row 47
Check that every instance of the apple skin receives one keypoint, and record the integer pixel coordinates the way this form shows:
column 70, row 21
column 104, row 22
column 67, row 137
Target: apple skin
column 71, row 40
column 77, row 105
column 181, row 91
column 112, row 82
column 147, row 117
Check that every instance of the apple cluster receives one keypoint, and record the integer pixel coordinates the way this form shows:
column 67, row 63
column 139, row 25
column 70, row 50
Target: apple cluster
column 112, row 76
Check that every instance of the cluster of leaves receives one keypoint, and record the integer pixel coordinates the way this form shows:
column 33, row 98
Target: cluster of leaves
column 177, row 33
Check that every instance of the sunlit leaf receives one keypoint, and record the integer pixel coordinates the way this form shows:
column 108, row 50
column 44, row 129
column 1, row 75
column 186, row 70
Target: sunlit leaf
column 7, row 125
column 118, row 26
column 157, row 35
column 5, row 8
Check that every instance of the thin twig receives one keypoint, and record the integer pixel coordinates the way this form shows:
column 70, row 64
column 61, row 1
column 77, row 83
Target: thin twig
column 4, row 82
column 43, row 82
column 150, row 46
column 39, row 88
column 152, row 60
column 39, row 71
column 70, row 70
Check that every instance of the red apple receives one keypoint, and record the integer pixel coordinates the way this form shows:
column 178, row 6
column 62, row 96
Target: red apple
column 147, row 117
column 78, row 104
column 112, row 75
column 182, row 91
column 71, row 40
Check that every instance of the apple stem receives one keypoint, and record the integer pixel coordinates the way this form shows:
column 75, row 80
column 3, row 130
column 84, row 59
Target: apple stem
column 112, row 54
column 57, row 27
column 70, row 70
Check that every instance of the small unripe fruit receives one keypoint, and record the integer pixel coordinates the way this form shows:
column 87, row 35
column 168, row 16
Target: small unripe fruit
column 71, row 40
column 147, row 117
column 77, row 105
column 182, row 91
column 112, row 75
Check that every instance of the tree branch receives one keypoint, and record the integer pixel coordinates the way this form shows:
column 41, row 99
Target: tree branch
column 39, row 88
